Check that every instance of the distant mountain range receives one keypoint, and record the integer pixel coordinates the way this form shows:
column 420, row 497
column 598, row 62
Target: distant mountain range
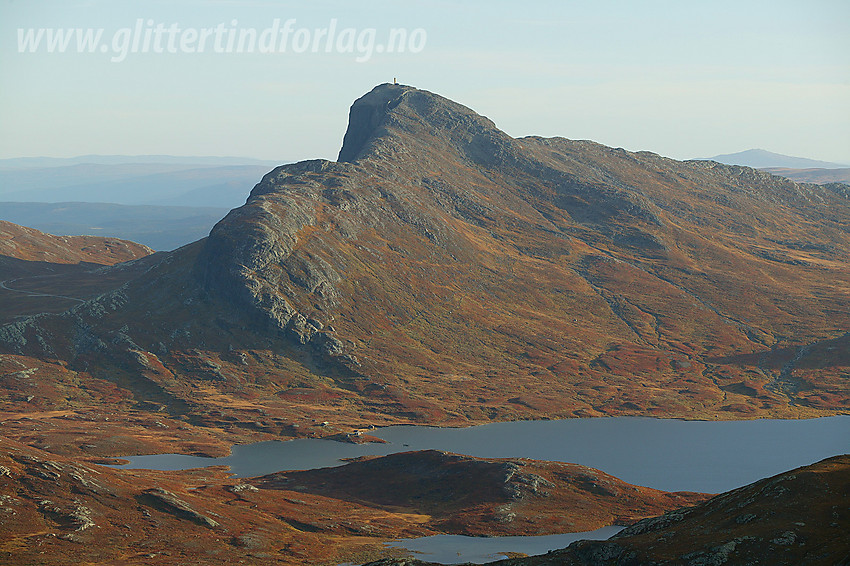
column 163, row 184
column 159, row 227
column 760, row 159
column 180, row 160
column 161, row 201
column 815, row 175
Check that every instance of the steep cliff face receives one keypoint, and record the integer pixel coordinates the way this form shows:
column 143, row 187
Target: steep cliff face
column 253, row 259
column 442, row 271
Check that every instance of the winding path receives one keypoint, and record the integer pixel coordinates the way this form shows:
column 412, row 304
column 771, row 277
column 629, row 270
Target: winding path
column 32, row 293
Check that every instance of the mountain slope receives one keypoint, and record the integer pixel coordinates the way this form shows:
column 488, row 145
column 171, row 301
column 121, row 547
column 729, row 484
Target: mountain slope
column 444, row 272
column 43, row 273
column 22, row 243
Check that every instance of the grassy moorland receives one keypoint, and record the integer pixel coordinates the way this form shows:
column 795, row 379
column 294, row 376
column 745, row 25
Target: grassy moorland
column 440, row 272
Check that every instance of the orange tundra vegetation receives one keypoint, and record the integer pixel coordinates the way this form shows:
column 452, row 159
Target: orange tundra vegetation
column 439, row 272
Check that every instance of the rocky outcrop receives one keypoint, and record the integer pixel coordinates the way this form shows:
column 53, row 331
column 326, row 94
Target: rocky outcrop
column 169, row 502
column 77, row 518
column 481, row 496
column 796, row 518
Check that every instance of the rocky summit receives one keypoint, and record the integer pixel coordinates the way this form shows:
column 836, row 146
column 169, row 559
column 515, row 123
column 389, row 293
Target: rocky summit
column 444, row 272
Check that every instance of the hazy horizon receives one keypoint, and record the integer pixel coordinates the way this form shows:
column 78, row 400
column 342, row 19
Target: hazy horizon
column 683, row 81
column 229, row 160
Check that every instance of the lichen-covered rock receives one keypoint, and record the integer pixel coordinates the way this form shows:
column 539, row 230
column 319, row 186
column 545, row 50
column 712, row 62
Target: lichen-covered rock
column 170, row 503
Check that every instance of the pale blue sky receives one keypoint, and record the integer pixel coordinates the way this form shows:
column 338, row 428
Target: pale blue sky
column 680, row 78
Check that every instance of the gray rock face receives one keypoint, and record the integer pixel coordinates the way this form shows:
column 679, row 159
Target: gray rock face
column 716, row 556
column 170, row 503
column 785, row 539
column 518, row 484
column 593, row 552
column 366, row 116
column 389, row 109
column 653, row 524
column 253, row 259
column 79, row 517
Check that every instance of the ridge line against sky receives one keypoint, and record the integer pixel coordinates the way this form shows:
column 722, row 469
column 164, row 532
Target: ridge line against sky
column 683, row 79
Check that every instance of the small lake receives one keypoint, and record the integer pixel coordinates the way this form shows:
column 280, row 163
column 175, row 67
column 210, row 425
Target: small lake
column 668, row 454
column 451, row 549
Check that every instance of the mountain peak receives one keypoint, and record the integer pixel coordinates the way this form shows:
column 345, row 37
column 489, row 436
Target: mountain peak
column 412, row 117
column 366, row 115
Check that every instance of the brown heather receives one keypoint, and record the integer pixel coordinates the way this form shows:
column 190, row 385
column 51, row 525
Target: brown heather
column 439, row 272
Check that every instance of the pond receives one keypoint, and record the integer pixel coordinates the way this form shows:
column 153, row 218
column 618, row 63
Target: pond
column 451, row 549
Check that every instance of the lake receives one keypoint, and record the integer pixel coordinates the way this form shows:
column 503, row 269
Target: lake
column 668, row 454
column 451, row 549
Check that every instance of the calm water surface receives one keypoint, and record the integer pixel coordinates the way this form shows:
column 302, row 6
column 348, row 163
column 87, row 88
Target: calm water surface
column 451, row 549
column 673, row 455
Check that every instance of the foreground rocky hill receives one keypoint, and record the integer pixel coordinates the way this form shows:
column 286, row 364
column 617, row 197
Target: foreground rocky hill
column 797, row 518
column 444, row 272
column 486, row 497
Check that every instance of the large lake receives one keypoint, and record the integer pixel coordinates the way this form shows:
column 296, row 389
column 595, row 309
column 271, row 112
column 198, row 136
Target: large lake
column 673, row 455
column 668, row 454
